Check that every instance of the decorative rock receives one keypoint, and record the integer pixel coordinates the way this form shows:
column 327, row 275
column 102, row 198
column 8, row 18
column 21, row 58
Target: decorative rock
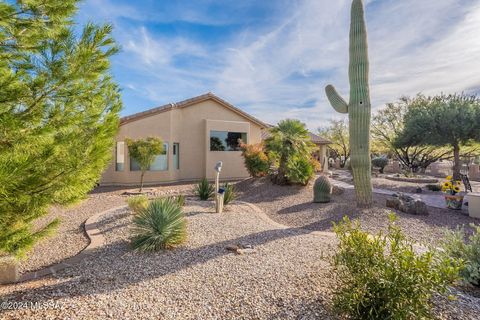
column 337, row 190
column 241, row 249
column 8, row 269
column 407, row 204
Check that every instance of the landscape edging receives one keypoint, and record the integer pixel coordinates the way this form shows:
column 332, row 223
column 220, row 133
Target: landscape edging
column 95, row 238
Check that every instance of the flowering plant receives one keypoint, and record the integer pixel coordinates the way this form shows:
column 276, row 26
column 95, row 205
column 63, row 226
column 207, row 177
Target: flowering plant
column 450, row 186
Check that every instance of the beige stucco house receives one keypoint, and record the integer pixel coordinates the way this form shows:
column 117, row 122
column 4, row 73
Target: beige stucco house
column 197, row 133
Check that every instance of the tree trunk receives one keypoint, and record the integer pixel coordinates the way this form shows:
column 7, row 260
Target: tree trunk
column 281, row 178
column 456, row 161
column 141, row 181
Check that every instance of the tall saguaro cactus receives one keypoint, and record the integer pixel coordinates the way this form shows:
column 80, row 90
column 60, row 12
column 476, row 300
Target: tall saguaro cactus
column 359, row 108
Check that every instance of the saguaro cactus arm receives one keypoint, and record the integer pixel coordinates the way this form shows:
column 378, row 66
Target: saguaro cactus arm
column 337, row 102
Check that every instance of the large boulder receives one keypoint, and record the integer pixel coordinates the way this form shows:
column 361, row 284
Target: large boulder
column 407, row 204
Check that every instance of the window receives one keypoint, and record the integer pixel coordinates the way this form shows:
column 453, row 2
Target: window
column 226, row 141
column 176, row 156
column 120, row 156
column 159, row 164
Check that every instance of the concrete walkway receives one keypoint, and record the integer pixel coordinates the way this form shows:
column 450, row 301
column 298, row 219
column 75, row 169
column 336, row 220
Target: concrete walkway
column 431, row 200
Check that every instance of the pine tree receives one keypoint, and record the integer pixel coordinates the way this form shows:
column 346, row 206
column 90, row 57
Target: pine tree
column 58, row 114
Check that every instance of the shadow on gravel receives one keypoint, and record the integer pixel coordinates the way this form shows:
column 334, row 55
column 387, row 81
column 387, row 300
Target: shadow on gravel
column 115, row 266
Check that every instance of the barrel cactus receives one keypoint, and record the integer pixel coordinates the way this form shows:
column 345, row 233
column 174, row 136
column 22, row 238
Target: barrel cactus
column 322, row 190
column 359, row 108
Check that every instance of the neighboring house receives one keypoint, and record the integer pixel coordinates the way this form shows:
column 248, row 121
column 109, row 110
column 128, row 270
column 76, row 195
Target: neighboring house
column 196, row 132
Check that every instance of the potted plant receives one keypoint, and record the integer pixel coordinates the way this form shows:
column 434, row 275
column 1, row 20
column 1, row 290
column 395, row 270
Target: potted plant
column 453, row 198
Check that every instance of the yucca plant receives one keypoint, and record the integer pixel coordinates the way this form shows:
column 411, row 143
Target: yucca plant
column 137, row 203
column 229, row 194
column 204, row 190
column 161, row 225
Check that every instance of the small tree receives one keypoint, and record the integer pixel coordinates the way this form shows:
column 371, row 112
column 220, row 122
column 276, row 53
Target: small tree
column 337, row 133
column 144, row 152
column 444, row 120
column 289, row 140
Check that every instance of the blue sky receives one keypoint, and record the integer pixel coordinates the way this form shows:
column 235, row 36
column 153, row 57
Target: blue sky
column 273, row 58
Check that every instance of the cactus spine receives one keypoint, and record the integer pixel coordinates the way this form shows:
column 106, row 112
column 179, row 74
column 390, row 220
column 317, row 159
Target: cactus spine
column 359, row 108
column 322, row 189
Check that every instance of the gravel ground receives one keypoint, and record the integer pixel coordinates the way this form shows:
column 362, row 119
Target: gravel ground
column 287, row 278
column 381, row 182
column 293, row 206
column 70, row 238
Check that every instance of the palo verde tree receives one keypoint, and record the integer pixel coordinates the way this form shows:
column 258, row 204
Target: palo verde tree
column 359, row 107
column 388, row 124
column 337, row 133
column 443, row 120
column 292, row 147
column 144, row 151
column 58, row 113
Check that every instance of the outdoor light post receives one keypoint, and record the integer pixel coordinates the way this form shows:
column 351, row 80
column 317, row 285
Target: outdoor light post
column 218, row 191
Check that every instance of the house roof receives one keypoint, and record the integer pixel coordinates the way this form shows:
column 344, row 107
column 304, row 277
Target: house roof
column 188, row 103
column 315, row 138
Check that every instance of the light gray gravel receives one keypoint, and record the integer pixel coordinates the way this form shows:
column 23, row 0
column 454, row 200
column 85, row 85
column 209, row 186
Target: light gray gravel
column 293, row 206
column 70, row 238
column 287, row 278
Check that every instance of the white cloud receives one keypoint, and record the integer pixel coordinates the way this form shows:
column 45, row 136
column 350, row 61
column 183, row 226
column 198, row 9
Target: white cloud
column 281, row 69
column 428, row 46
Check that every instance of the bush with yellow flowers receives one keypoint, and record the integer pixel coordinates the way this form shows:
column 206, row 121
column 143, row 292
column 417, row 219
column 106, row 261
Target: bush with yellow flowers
column 451, row 186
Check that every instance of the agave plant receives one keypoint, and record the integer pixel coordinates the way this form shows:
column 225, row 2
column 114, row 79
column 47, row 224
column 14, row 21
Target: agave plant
column 161, row 225
column 204, row 190
column 229, row 194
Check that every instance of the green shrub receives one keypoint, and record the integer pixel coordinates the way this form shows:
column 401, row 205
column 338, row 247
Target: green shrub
column 380, row 162
column 434, row 187
column 456, row 247
column 161, row 225
column 300, row 170
column 137, row 203
column 229, row 194
column 383, row 278
column 204, row 190
column 180, row 199
column 256, row 161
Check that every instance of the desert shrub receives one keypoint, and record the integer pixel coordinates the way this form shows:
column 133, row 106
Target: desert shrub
column 180, row 199
column 229, row 194
column 256, row 161
column 434, row 187
column 380, row 162
column 456, row 247
column 137, row 203
column 161, row 225
column 382, row 277
column 317, row 166
column 204, row 190
column 300, row 170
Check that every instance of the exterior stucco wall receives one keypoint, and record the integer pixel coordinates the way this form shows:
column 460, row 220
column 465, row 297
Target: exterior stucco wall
column 190, row 127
